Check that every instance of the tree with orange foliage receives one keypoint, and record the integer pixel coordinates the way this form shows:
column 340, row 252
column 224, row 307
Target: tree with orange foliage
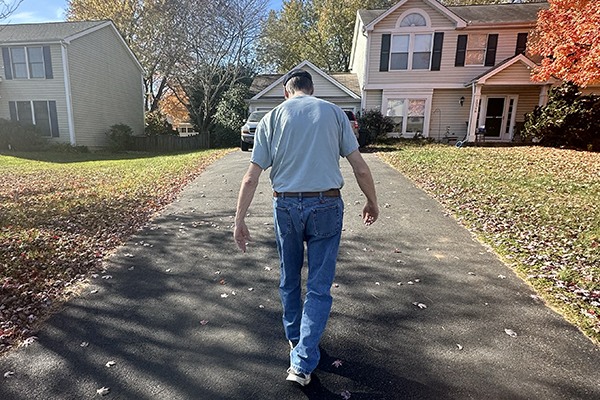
column 568, row 36
column 171, row 105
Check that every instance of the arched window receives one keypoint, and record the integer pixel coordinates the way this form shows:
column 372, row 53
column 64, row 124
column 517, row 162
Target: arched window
column 413, row 19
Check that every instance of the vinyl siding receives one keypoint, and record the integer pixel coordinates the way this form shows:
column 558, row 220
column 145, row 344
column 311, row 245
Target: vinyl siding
column 323, row 87
column 516, row 74
column 449, row 113
column 438, row 19
column 449, row 75
column 360, row 56
column 373, row 99
column 39, row 89
column 106, row 87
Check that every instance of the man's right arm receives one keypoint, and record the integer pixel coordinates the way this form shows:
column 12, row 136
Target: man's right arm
column 362, row 173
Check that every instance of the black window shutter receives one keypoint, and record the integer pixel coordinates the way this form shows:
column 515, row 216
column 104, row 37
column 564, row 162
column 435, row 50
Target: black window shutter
column 7, row 66
column 13, row 110
column 490, row 54
column 521, row 43
column 461, row 50
column 436, row 58
column 53, row 118
column 47, row 62
column 384, row 60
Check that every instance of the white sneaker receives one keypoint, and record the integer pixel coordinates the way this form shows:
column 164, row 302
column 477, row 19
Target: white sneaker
column 297, row 377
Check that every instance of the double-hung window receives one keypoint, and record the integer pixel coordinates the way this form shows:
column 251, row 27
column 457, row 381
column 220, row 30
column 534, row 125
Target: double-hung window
column 412, row 49
column 411, row 46
column 476, row 45
column 476, row 49
column 39, row 113
column 31, row 62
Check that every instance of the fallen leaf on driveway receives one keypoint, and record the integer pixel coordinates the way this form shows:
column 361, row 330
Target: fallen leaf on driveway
column 8, row 374
column 110, row 364
column 337, row 363
column 29, row 341
column 224, row 295
column 84, row 344
column 510, row 332
column 346, row 395
column 103, row 391
column 204, row 322
column 459, row 346
column 420, row 305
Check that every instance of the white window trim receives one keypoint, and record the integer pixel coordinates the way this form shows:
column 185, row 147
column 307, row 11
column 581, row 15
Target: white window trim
column 394, row 95
column 413, row 28
column 27, row 64
column 411, row 48
column 487, row 36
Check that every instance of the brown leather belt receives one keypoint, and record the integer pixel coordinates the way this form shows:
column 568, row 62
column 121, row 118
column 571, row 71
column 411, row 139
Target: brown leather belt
column 327, row 193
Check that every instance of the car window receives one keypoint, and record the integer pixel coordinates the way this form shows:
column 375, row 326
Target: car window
column 350, row 115
column 256, row 116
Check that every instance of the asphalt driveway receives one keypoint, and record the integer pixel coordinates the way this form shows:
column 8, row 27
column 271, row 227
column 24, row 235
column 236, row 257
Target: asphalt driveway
column 421, row 311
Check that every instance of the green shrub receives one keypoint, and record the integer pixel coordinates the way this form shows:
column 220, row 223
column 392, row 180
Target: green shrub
column 21, row 137
column 67, row 148
column 120, row 137
column 224, row 137
column 157, row 124
column 375, row 124
column 569, row 119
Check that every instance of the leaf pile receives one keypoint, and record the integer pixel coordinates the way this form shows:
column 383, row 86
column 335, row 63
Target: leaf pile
column 58, row 221
column 538, row 208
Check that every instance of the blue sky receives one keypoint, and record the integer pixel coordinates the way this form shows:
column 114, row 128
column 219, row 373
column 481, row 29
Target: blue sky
column 32, row 11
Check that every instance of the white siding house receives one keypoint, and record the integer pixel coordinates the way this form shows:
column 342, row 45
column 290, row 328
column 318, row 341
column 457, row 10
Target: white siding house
column 447, row 71
column 338, row 88
column 72, row 79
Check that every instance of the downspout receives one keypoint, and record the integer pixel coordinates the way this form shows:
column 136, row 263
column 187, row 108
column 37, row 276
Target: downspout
column 67, row 78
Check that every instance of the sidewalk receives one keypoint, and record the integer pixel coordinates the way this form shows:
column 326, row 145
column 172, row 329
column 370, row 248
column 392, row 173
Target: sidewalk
column 185, row 315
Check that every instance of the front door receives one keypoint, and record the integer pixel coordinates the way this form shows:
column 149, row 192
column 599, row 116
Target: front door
column 494, row 116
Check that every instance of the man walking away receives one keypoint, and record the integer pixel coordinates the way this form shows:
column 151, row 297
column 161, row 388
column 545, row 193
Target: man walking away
column 302, row 140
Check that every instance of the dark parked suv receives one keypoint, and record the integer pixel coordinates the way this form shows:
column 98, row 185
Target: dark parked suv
column 353, row 122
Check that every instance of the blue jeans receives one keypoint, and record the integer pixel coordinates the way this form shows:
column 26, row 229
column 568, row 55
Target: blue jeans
column 318, row 222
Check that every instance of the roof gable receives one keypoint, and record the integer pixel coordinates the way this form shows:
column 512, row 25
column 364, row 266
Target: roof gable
column 519, row 61
column 470, row 14
column 274, row 87
column 460, row 23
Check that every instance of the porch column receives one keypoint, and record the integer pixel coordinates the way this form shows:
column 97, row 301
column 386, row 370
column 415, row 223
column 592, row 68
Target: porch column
column 544, row 95
column 474, row 111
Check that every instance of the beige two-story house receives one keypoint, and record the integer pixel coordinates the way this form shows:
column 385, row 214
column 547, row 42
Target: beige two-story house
column 449, row 71
column 72, row 79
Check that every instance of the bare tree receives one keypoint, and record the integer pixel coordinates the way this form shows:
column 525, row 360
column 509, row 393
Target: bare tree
column 217, row 42
column 8, row 7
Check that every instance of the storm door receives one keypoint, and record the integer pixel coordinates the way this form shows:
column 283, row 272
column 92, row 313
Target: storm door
column 494, row 117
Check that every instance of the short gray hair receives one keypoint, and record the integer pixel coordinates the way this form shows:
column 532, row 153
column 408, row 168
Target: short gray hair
column 299, row 84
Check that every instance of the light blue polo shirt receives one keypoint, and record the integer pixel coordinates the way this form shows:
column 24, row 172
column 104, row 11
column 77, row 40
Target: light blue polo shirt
column 302, row 140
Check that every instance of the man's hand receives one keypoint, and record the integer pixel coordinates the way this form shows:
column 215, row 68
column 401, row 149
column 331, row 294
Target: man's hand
column 249, row 184
column 241, row 234
column 370, row 213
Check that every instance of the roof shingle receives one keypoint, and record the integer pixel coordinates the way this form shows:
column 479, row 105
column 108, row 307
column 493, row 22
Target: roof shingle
column 45, row 32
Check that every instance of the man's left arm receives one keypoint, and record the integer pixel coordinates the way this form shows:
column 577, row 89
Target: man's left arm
column 247, row 189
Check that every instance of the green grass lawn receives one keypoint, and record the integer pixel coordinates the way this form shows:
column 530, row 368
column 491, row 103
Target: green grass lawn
column 61, row 214
column 537, row 208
